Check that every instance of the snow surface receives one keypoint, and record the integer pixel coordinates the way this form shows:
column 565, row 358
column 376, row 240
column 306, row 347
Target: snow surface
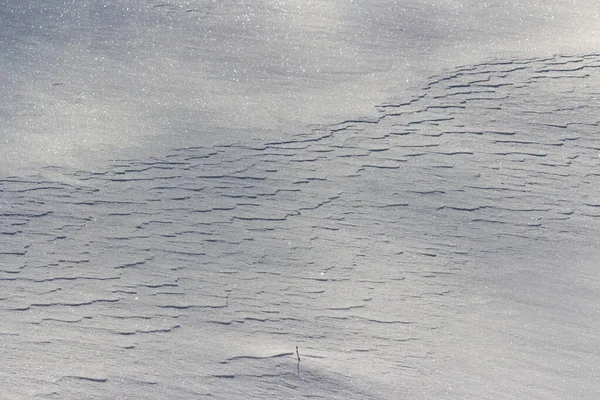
column 192, row 189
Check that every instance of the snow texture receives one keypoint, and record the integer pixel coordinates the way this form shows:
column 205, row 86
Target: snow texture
column 444, row 247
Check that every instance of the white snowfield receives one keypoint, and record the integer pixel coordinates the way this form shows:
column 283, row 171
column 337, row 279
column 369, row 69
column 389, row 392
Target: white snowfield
column 445, row 247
